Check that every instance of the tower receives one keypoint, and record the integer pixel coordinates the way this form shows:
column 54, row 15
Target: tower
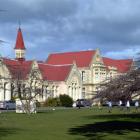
column 19, row 46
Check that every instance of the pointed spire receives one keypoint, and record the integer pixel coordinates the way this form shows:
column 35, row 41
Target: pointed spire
column 19, row 41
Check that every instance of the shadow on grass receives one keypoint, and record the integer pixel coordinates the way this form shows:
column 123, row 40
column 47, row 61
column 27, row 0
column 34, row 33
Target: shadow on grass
column 118, row 124
column 44, row 112
column 115, row 116
column 101, row 129
column 7, row 131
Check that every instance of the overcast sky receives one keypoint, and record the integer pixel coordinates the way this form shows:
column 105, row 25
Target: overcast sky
column 50, row 26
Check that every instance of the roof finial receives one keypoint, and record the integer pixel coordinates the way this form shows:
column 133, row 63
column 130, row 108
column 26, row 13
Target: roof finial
column 19, row 23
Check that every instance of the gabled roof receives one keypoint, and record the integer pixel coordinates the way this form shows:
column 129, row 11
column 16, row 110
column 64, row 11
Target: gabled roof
column 123, row 65
column 55, row 72
column 19, row 41
column 81, row 58
column 18, row 69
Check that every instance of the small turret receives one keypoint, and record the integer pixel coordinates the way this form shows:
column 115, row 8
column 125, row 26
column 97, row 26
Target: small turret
column 19, row 46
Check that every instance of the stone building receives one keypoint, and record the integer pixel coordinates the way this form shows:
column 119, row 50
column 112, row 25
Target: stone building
column 52, row 80
column 62, row 79
column 77, row 74
column 94, row 69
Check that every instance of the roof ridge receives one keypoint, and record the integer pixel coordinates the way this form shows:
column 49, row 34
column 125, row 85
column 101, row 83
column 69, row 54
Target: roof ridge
column 15, row 60
column 117, row 59
column 72, row 52
column 56, row 65
column 10, row 59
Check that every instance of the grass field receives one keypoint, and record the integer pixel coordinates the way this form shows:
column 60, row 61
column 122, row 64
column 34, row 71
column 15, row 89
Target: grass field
column 71, row 124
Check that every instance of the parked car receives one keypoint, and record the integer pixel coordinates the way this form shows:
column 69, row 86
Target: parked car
column 105, row 103
column 7, row 105
column 83, row 103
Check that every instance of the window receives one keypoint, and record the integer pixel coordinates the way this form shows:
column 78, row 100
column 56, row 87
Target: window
column 22, row 54
column 83, row 92
column 83, row 76
column 18, row 55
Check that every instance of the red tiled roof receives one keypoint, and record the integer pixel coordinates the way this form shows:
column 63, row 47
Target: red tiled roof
column 19, row 41
column 18, row 69
column 122, row 66
column 54, row 72
column 82, row 58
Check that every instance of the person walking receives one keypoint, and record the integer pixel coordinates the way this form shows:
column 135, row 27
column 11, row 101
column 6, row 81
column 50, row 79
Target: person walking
column 109, row 106
column 99, row 104
column 136, row 105
column 120, row 104
column 79, row 103
column 128, row 106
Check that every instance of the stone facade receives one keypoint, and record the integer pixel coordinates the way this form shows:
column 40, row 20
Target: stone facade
column 77, row 74
column 95, row 70
column 95, row 75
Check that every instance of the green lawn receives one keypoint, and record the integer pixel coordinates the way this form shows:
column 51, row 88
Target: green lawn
column 71, row 124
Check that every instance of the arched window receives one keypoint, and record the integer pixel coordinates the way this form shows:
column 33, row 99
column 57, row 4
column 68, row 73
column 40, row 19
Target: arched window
column 83, row 75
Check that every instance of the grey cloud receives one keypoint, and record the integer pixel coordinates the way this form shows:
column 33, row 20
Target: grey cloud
column 50, row 10
column 69, row 25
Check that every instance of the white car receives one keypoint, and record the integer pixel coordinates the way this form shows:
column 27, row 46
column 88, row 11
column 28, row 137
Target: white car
column 7, row 105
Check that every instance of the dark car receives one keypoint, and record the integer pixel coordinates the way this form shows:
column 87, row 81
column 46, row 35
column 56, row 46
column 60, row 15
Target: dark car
column 7, row 105
column 105, row 103
column 83, row 103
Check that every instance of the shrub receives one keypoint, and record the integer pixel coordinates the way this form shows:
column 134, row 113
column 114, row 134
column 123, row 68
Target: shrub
column 52, row 102
column 66, row 100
